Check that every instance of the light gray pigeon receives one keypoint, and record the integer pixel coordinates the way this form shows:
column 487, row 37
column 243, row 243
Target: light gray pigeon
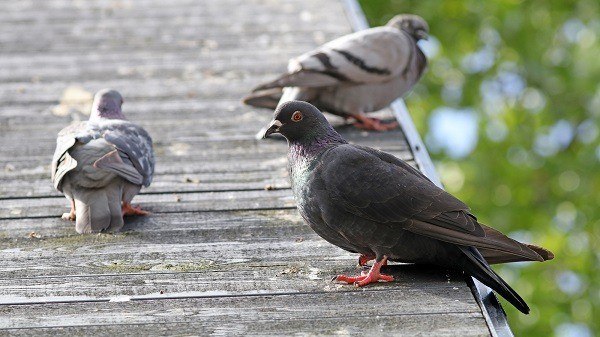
column 371, row 203
column 101, row 164
column 354, row 74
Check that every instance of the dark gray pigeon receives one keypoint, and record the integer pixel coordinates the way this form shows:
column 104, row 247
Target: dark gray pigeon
column 371, row 203
column 354, row 74
column 101, row 164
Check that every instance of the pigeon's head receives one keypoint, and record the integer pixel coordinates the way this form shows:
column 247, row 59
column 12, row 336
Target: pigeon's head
column 414, row 25
column 297, row 121
column 107, row 104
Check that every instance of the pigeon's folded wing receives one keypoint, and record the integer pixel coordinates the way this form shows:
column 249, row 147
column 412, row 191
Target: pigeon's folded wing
column 119, row 163
column 375, row 55
column 62, row 162
column 384, row 189
column 135, row 147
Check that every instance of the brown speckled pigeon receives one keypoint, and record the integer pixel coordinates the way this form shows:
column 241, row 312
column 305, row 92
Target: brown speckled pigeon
column 101, row 164
column 354, row 74
column 371, row 203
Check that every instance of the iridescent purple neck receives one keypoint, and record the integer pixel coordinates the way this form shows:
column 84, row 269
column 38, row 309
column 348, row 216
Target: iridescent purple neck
column 310, row 148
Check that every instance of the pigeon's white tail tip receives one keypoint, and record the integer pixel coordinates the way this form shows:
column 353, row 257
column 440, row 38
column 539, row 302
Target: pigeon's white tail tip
column 261, row 134
column 289, row 94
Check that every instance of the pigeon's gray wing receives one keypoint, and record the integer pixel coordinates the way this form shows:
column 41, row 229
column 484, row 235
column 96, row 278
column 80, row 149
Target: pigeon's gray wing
column 119, row 163
column 62, row 162
column 375, row 55
column 134, row 146
column 371, row 185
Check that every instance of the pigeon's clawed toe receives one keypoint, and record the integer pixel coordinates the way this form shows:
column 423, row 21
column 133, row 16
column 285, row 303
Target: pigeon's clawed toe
column 372, row 276
column 128, row 209
column 373, row 124
column 69, row 216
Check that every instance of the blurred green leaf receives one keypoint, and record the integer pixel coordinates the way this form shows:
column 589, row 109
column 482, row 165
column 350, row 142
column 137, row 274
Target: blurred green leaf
column 530, row 70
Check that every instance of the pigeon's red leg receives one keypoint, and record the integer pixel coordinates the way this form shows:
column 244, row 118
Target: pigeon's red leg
column 71, row 214
column 363, row 259
column 368, row 123
column 371, row 277
column 128, row 209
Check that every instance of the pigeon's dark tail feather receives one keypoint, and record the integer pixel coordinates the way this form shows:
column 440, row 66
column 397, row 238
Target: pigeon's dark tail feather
column 543, row 252
column 493, row 256
column 268, row 98
column 476, row 266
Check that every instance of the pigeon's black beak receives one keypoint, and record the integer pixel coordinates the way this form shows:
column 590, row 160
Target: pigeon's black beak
column 272, row 128
column 422, row 34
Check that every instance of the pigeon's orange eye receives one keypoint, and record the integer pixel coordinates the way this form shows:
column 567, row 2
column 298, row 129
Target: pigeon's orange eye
column 297, row 116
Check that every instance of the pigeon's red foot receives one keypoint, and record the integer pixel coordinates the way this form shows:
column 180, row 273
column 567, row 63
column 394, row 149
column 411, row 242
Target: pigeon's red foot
column 374, row 124
column 128, row 209
column 71, row 215
column 372, row 276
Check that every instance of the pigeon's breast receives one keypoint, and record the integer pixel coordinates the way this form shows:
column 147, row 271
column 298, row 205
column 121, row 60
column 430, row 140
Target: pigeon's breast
column 308, row 191
column 299, row 177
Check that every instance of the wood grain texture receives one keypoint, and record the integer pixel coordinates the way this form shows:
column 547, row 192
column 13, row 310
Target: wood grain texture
column 455, row 324
column 224, row 251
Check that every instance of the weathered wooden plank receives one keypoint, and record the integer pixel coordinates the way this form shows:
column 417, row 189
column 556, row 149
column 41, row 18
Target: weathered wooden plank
column 16, row 231
column 231, row 83
column 25, row 170
column 167, row 132
column 141, row 72
column 39, row 15
column 162, row 183
column 36, row 182
column 203, row 13
column 181, row 144
column 207, row 242
column 174, row 106
column 197, row 15
column 160, row 203
column 158, row 42
column 22, row 97
column 16, row 168
column 182, row 56
column 203, row 241
column 237, row 152
column 94, row 26
column 38, row 185
column 300, row 306
column 192, row 64
column 249, row 42
column 453, row 324
column 166, row 125
column 33, row 5
column 188, row 146
column 200, row 278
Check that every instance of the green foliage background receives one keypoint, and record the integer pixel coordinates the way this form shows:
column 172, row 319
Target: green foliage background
column 535, row 171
